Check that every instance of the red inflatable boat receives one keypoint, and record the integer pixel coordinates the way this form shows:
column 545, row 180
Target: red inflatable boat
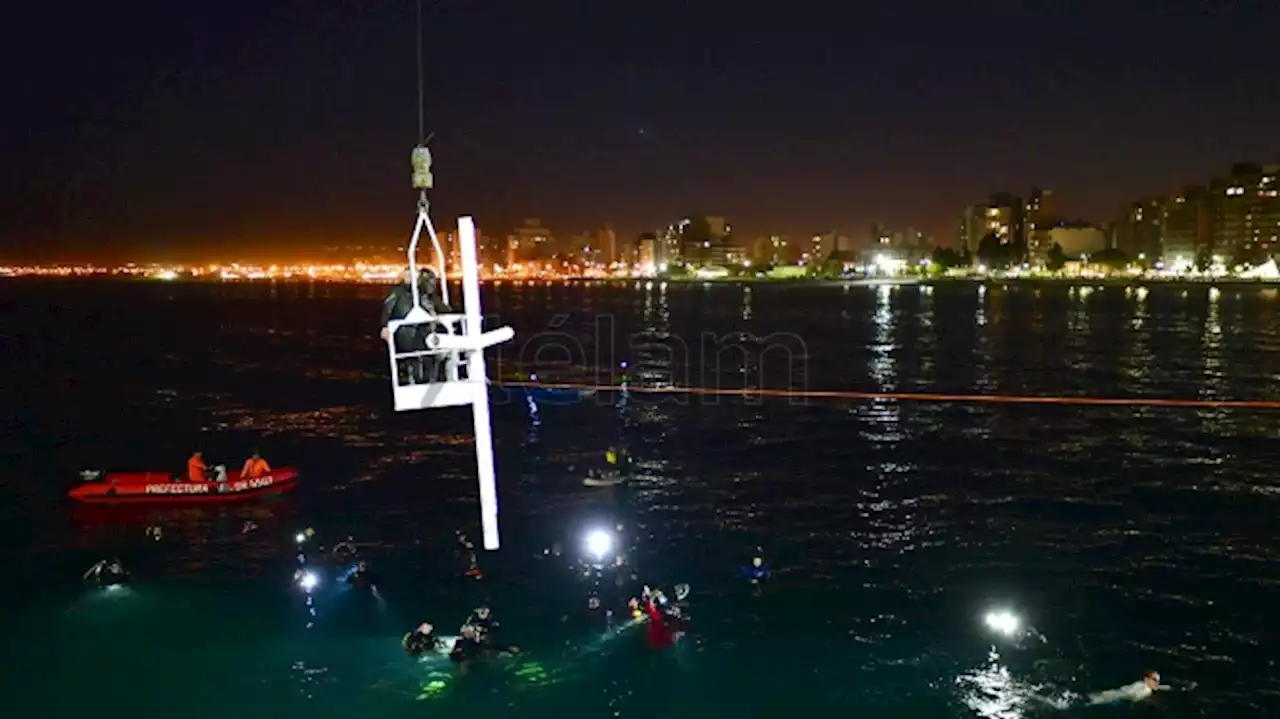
column 162, row 487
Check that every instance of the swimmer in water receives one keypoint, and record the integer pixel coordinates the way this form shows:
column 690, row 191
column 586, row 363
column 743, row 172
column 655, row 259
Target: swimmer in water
column 421, row 640
column 1135, row 692
column 468, row 550
column 597, row 613
column 364, row 577
column 107, row 573
column 757, row 572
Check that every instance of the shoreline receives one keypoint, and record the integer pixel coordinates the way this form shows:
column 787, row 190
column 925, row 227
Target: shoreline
column 798, row 282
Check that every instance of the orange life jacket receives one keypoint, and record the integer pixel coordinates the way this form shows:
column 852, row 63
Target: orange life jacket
column 195, row 469
column 254, row 468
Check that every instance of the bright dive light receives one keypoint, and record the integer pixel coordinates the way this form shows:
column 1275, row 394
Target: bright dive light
column 308, row 581
column 300, row 537
column 1003, row 622
column 599, row 542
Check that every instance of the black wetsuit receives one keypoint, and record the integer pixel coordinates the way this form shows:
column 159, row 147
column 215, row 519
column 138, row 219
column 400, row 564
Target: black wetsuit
column 396, row 306
column 483, row 626
column 107, row 576
column 364, row 579
column 416, row 643
column 467, row 649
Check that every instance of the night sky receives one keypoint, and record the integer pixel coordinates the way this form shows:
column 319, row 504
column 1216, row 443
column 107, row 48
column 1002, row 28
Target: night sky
column 169, row 130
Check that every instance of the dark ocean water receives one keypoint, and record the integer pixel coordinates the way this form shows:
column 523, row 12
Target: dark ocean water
column 1130, row 538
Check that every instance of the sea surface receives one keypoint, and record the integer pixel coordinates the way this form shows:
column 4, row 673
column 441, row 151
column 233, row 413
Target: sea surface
column 1125, row 538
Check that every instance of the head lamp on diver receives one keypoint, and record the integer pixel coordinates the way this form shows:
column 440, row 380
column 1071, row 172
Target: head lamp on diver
column 307, row 580
column 1003, row 622
column 599, row 542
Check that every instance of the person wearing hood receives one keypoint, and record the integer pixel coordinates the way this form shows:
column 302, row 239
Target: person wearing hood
column 396, row 306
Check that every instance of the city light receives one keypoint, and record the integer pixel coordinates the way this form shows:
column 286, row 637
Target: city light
column 1176, row 266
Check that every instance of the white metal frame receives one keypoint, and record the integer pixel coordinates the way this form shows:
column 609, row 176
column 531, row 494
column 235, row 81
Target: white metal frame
column 458, row 342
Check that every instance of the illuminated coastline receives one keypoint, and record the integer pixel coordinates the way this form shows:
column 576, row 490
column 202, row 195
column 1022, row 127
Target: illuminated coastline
column 356, row 272
column 387, row 273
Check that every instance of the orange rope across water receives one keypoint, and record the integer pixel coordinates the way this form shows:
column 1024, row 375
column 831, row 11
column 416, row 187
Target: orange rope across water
column 916, row 396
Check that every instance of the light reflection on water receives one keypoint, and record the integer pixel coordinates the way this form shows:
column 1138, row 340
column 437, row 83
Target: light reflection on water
column 1146, row 533
column 992, row 691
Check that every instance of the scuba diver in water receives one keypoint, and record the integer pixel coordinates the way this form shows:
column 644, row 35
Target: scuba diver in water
column 363, row 577
column 471, row 646
column 1135, row 692
column 597, row 615
column 421, row 640
column 468, row 550
column 482, row 621
column 757, row 572
column 107, row 573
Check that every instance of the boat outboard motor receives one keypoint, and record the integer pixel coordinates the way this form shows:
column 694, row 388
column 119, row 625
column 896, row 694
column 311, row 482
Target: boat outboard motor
column 90, row 475
column 220, row 473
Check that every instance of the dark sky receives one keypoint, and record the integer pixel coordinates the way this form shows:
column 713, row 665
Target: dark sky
column 159, row 129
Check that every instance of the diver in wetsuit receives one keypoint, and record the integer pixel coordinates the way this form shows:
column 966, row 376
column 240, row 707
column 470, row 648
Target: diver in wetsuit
column 470, row 646
column 107, row 573
column 421, row 640
column 482, row 621
column 363, row 577
column 396, row 306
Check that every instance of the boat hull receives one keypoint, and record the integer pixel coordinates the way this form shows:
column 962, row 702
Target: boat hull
column 159, row 488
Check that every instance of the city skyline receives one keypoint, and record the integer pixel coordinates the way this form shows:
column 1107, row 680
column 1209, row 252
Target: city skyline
column 217, row 129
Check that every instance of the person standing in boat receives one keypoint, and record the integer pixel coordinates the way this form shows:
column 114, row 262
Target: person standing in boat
column 254, row 467
column 197, row 470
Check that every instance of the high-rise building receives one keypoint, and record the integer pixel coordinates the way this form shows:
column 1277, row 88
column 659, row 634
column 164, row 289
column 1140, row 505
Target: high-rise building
column 705, row 240
column 669, row 247
column 647, row 253
column 698, row 235
column 1246, row 211
column 531, row 242
column 1039, row 214
column 1186, row 230
column 881, row 237
column 607, row 246
column 1139, row 229
column 774, row 250
column 821, row 246
column 1236, row 217
column 1040, row 203
column 489, row 250
column 1000, row 215
column 906, row 244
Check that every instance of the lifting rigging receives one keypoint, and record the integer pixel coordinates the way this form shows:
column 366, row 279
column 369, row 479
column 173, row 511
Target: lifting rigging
column 453, row 344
